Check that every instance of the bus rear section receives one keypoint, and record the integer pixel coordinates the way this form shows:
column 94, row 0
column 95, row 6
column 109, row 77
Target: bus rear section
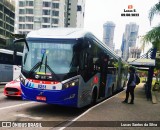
column 7, row 68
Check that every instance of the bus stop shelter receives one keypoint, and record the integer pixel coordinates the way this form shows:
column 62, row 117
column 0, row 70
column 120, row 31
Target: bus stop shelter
column 146, row 65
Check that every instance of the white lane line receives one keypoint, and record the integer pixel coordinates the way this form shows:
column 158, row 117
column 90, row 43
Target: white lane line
column 18, row 105
column 75, row 119
column 28, row 116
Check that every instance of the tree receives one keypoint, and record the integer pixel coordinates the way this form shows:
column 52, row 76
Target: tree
column 154, row 11
column 153, row 36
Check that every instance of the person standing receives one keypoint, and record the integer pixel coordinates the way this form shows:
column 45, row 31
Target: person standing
column 130, row 85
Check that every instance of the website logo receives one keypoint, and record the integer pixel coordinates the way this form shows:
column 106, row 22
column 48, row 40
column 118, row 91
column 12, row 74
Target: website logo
column 130, row 12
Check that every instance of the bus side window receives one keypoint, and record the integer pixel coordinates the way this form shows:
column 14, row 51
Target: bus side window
column 83, row 60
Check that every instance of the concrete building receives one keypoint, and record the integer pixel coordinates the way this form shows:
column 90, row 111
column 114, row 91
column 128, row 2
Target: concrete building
column 7, row 15
column 118, row 52
column 135, row 52
column 108, row 34
column 129, row 39
column 35, row 14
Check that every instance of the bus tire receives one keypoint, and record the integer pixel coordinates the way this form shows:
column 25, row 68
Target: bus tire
column 94, row 96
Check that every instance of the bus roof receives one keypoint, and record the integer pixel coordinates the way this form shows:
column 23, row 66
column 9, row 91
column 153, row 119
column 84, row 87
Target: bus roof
column 62, row 33
column 67, row 33
column 5, row 51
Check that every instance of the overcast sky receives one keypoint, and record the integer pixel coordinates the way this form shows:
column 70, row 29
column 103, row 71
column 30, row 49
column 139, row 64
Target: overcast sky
column 97, row 12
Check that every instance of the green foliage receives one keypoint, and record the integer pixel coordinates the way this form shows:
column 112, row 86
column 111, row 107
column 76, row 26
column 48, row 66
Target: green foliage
column 153, row 36
column 157, row 64
column 154, row 11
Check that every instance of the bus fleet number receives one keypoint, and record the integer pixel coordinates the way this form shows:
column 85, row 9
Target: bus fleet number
column 41, row 86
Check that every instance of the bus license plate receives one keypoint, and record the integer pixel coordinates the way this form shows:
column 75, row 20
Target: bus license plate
column 41, row 98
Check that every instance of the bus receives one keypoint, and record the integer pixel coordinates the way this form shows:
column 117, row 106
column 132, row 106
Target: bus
column 8, row 71
column 69, row 67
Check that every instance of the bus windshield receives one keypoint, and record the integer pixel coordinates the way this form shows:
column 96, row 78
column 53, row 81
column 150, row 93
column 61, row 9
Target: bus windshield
column 50, row 55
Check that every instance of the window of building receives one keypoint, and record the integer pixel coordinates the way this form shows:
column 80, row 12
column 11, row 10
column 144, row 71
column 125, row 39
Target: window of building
column 55, row 21
column 46, row 12
column 29, row 19
column 1, row 24
column 46, row 20
column 79, row 8
column 1, row 31
column 8, row 27
column 1, row 15
column 29, row 3
column 29, row 11
column 21, row 19
column 21, row 4
column 21, row 26
column 12, row 29
column 46, row 4
column 55, row 5
column 1, row 7
column 21, row 11
column 11, row 22
column 7, row 19
column 29, row 26
column 45, row 26
column 12, row 15
column 55, row 13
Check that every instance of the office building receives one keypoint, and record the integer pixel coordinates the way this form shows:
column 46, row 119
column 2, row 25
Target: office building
column 129, row 39
column 108, row 34
column 35, row 14
column 7, row 15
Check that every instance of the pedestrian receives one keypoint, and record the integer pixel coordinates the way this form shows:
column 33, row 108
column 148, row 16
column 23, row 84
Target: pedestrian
column 130, row 85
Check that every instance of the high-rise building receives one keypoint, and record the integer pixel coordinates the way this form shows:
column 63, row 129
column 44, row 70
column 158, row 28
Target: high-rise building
column 118, row 52
column 7, row 15
column 129, row 39
column 108, row 34
column 35, row 14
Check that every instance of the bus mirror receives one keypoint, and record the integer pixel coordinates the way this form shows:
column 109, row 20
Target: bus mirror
column 20, row 41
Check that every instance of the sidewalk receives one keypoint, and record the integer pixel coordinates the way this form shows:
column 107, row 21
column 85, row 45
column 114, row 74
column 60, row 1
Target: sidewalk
column 114, row 110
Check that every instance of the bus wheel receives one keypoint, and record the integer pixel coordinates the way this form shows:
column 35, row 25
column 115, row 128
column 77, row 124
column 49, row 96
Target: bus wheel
column 94, row 97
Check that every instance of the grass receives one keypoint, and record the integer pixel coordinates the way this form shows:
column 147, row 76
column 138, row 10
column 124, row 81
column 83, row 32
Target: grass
column 144, row 79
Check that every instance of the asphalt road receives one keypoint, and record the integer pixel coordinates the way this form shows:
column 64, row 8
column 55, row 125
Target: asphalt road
column 15, row 109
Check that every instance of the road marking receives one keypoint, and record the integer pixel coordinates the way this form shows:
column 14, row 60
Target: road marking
column 28, row 116
column 19, row 105
column 75, row 119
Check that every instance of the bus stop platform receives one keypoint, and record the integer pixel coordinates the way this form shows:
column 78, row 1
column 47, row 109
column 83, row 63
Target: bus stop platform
column 112, row 114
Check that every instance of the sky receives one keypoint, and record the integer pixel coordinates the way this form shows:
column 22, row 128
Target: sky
column 98, row 12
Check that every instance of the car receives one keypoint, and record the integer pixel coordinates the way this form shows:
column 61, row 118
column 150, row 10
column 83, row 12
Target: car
column 13, row 89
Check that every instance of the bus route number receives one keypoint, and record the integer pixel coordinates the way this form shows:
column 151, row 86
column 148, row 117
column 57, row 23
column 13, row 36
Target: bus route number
column 41, row 86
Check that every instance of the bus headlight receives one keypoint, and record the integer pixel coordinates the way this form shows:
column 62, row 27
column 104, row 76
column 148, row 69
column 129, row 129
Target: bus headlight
column 22, row 80
column 71, row 84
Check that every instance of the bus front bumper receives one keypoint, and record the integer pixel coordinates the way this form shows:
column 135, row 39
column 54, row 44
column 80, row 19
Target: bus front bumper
column 66, row 97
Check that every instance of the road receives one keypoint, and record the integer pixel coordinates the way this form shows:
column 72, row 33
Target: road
column 15, row 109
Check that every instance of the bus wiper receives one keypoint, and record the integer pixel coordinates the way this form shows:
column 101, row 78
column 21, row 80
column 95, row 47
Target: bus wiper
column 37, row 65
column 41, row 62
column 47, row 66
